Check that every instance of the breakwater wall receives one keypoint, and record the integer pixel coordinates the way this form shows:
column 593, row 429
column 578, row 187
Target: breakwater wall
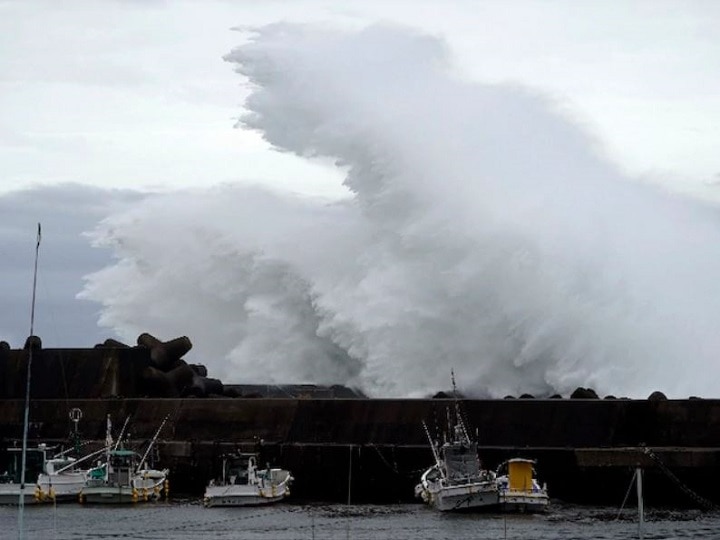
column 373, row 450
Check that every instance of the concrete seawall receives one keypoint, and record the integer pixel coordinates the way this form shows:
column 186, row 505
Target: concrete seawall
column 586, row 449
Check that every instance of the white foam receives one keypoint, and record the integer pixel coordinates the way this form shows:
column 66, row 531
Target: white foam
column 485, row 232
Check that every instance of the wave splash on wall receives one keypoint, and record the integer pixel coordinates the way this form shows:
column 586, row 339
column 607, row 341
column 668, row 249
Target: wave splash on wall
column 484, row 231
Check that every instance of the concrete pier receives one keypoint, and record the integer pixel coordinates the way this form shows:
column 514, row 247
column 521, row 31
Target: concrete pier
column 584, row 448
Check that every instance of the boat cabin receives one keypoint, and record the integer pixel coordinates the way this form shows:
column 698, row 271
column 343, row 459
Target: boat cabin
column 54, row 465
column 35, row 459
column 241, row 469
column 517, row 474
column 122, row 467
column 461, row 462
column 235, row 470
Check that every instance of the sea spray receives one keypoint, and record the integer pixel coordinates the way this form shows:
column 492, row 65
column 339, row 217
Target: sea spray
column 484, row 232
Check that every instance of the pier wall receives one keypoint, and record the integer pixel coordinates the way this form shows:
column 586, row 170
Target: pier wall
column 373, row 450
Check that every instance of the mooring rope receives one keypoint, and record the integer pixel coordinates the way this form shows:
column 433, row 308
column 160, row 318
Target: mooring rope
column 627, row 494
column 702, row 501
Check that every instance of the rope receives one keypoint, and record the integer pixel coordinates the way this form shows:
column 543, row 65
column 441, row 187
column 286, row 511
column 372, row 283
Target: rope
column 702, row 501
column 627, row 494
column 393, row 466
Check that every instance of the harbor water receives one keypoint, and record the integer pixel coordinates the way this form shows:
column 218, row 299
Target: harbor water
column 190, row 520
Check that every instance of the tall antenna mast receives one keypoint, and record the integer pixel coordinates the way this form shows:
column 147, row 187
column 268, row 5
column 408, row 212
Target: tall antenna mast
column 459, row 422
column 26, row 421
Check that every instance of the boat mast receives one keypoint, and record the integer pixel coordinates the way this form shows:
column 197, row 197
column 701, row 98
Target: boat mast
column 152, row 442
column 26, row 421
column 458, row 417
column 432, row 446
column 122, row 432
column 108, row 446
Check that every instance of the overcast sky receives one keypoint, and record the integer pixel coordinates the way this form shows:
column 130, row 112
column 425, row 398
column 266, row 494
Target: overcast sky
column 105, row 102
column 65, row 256
column 136, row 94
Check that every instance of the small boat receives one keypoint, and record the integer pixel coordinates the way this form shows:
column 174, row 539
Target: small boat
column 457, row 481
column 519, row 488
column 62, row 477
column 121, row 480
column 61, row 480
column 243, row 484
column 124, row 476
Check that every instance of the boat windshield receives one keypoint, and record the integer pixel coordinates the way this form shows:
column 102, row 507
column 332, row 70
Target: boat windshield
column 122, row 459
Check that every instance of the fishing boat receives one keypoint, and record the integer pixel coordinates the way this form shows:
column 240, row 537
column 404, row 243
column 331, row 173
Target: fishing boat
column 519, row 488
column 59, row 476
column 243, row 484
column 60, row 480
column 63, row 478
column 121, row 479
column 63, row 475
column 124, row 477
column 457, row 481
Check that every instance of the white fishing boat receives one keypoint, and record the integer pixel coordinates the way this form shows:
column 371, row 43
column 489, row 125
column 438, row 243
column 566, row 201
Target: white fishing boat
column 124, row 477
column 457, row 481
column 59, row 476
column 519, row 488
column 243, row 484
column 119, row 480
column 63, row 478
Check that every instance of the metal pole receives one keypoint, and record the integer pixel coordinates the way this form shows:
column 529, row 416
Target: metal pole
column 350, row 474
column 26, row 421
column 641, row 510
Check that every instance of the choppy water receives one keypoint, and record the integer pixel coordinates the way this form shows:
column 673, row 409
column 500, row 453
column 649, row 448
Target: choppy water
column 182, row 521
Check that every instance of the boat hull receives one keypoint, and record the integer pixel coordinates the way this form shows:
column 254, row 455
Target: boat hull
column 462, row 498
column 523, row 502
column 117, row 495
column 123, row 488
column 10, row 494
column 244, row 495
column 60, row 488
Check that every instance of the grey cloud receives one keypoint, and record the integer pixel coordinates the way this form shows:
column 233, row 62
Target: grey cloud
column 65, row 212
